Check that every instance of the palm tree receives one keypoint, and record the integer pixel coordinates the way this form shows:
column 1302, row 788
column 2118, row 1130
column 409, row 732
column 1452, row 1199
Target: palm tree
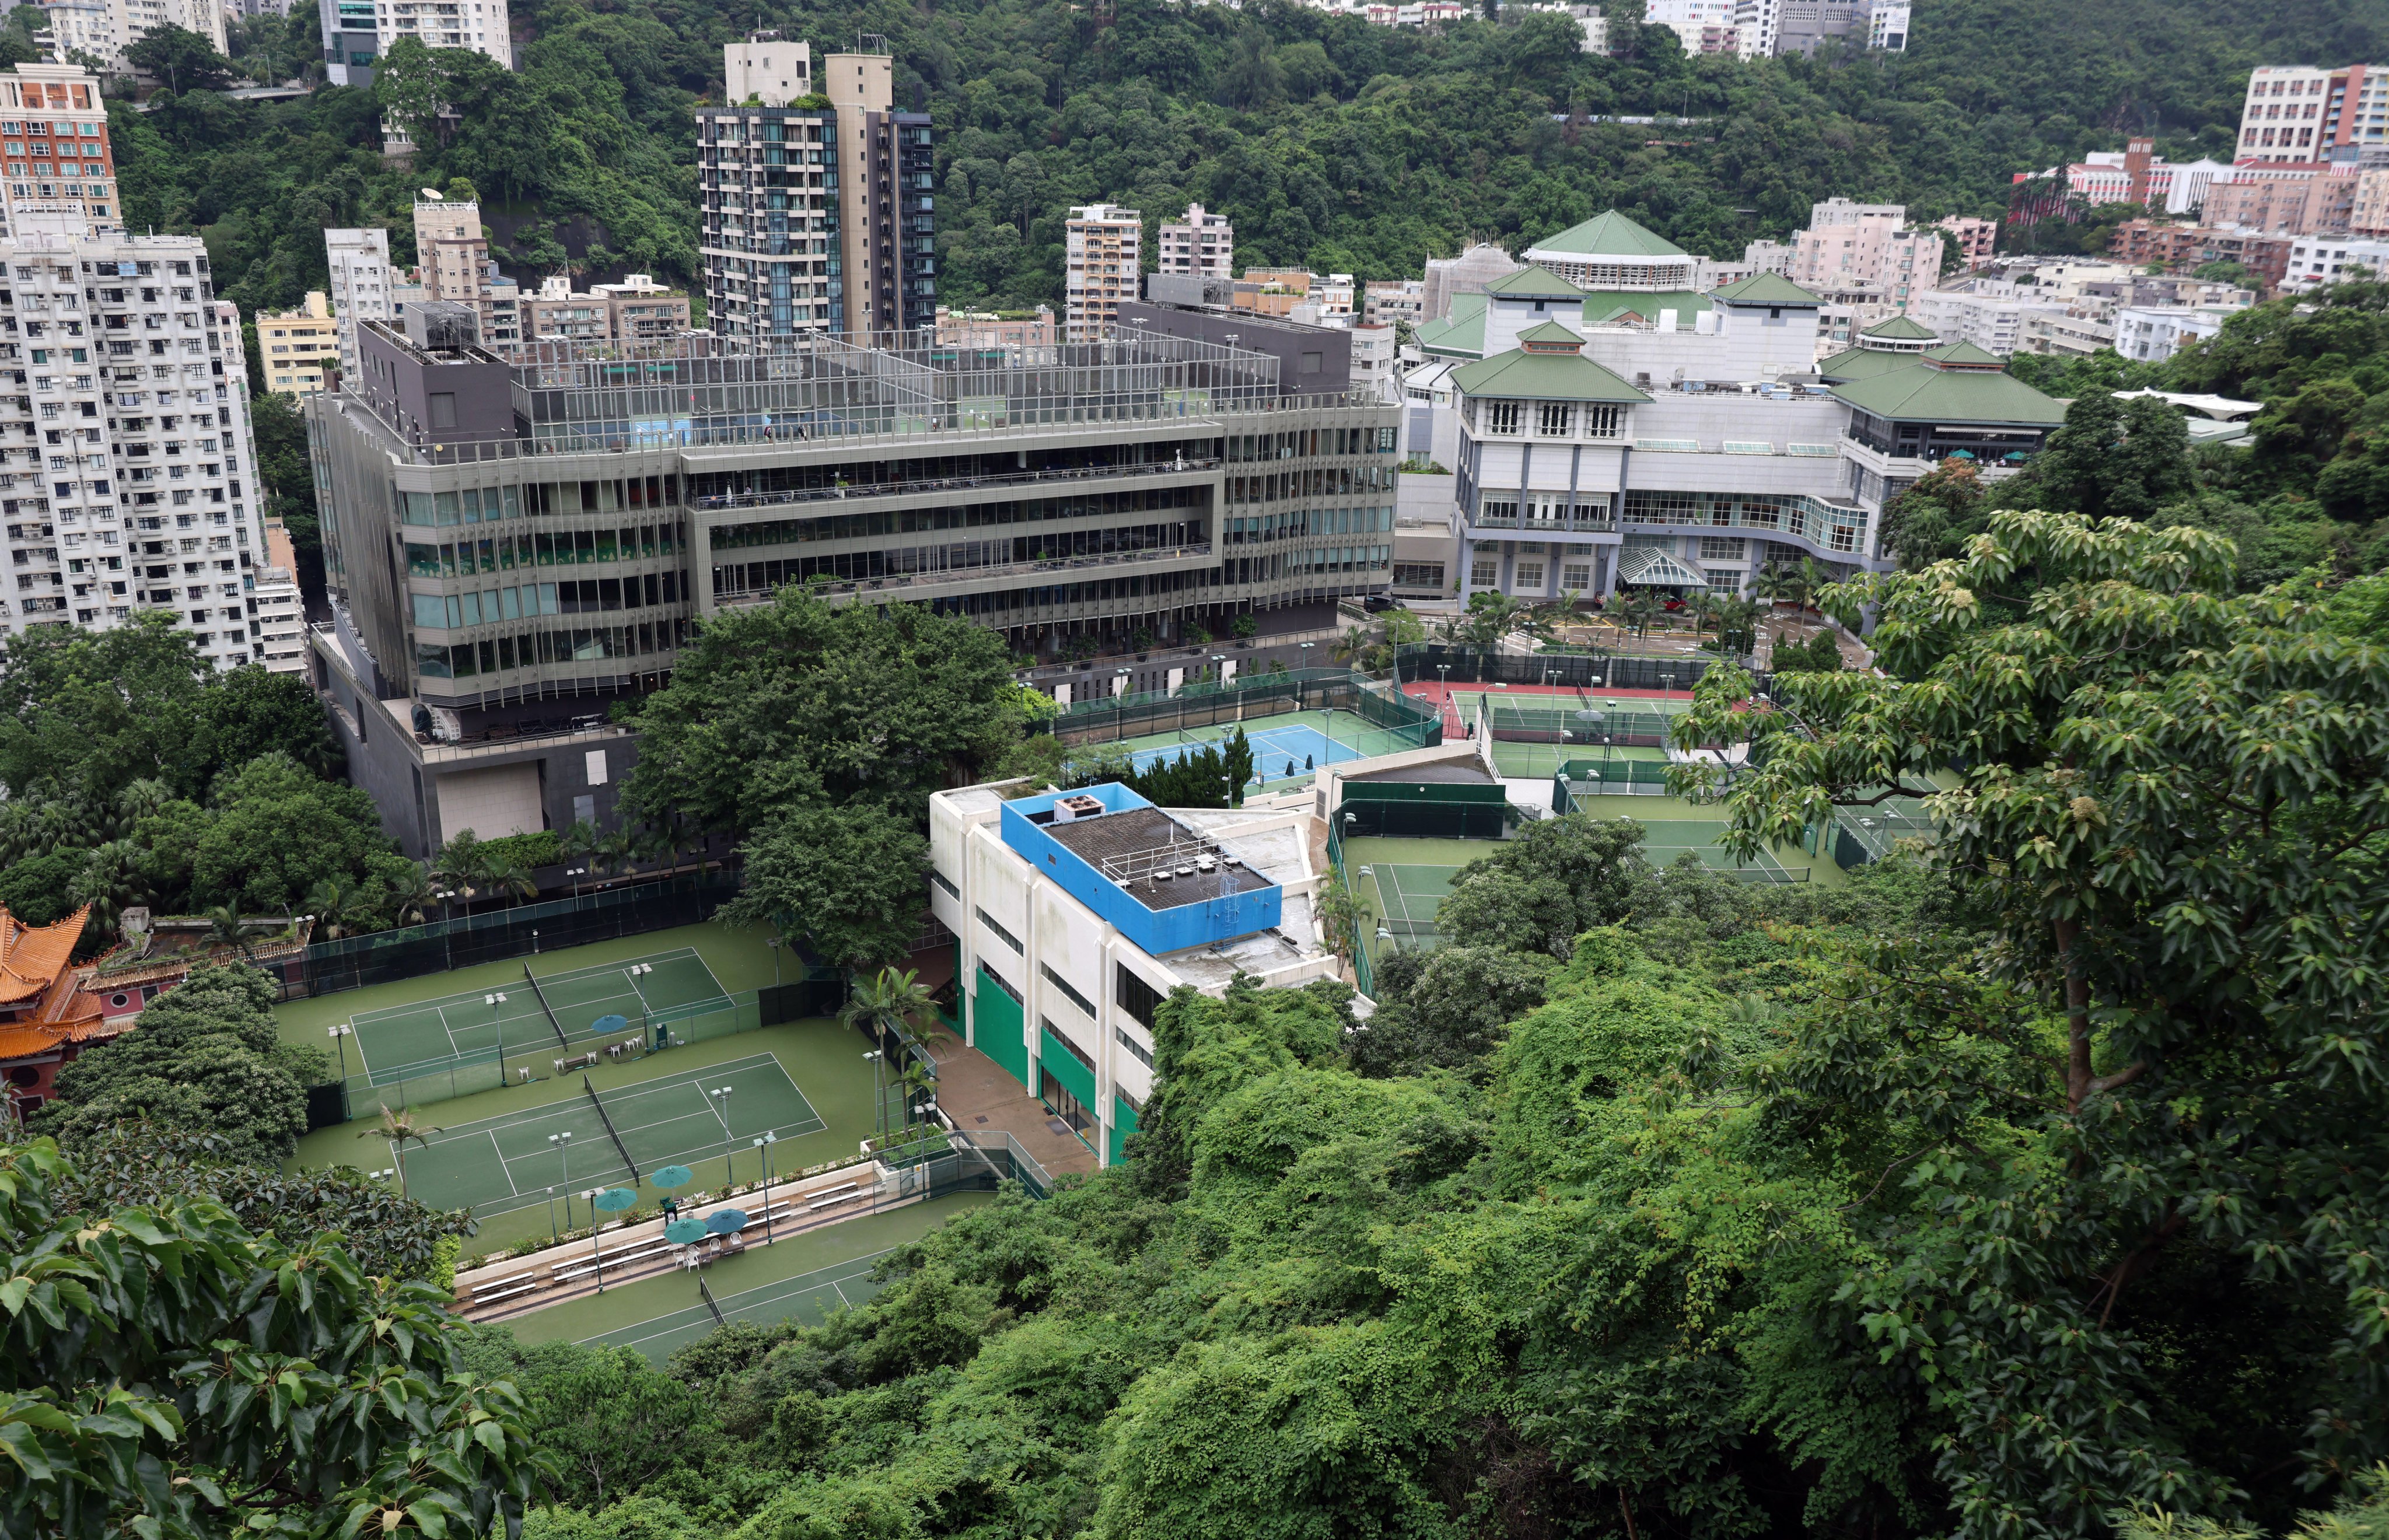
column 226, row 928
column 1492, row 617
column 613, row 852
column 889, row 1001
column 399, row 1128
column 334, row 901
column 1737, row 623
column 138, row 800
column 1778, row 583
column 1642, row 605
column 109, row 881
column 578, row 845
column 1814, row 581
column 510, row 879
column 411, row 898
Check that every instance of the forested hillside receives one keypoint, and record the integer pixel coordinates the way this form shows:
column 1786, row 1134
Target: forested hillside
column 1329, row 141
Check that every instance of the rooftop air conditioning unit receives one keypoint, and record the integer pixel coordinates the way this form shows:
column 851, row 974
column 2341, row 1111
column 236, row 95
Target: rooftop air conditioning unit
column 1071, row 808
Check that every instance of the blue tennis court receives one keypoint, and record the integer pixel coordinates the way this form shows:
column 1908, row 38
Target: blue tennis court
column 1285, row 748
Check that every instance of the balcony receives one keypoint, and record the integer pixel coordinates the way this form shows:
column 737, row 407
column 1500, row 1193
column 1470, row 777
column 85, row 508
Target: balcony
column 946, row 484
column 916, row 584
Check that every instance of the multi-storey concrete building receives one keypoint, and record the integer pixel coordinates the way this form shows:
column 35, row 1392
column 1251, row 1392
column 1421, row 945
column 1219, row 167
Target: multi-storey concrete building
column 2316, row 260
column 105, row 28
column 128, row 475
column 452, row 255
column 2299, row 114
column 361, row 284
column 1679, row 439
column 2285, row 200
column 1067, row 941
column 296, row 347
column 1865, row 253
column 357, row 33
column 814, row 218
column 1102, row 252
column 514, row 538
column 277, row 621
column 1199, row 243
column 637, row 311
column 60, row 160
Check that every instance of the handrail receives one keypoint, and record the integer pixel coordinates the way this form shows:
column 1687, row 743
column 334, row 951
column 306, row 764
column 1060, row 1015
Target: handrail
column 944, row 483
column 972, row 574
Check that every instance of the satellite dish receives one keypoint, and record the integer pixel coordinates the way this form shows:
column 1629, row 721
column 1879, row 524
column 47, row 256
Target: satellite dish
column 435, row 194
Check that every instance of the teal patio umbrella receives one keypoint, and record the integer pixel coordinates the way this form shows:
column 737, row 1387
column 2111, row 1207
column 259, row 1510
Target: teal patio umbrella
column 614, row 1200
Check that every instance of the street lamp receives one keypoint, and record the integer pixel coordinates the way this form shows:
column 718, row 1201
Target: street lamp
column 576, row 873
column 562, row 1145
column 764, row 1141
column 720, row 1095
column 494, row 1001
column 774, row 942
column 634, row 972
column 341, row 1034
column 878, row 1060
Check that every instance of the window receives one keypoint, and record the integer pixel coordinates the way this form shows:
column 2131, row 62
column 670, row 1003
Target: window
column 1001, row 934
column 1576, row 576
column 1073, row 1049
column 1136, row 996
column 1000, row 981
column 1602, row 421
column 1501, row 418
column 1136, row 1051
column 1555, row 417
column 1721, row 548
column 1058, row 981
column 1484, row 573
column 1530, row 577
column 1728, row 579
column 1419, row 574
column 444, row 409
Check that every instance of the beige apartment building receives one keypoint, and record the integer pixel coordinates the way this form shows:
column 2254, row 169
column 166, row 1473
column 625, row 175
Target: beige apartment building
column 297, row 346
column 1200, row 245
column 1105, row 245
column 638, row 310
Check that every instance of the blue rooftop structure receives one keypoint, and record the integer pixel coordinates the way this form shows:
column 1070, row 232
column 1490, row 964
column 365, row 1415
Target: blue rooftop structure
column 1164, row 886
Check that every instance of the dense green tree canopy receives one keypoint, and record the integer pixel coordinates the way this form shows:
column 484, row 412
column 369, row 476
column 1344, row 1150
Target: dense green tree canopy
column 167, row 1372
column 205, row 1056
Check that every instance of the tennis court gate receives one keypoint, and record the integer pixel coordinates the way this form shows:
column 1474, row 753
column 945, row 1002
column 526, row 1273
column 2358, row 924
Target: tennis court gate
column 1251, row 699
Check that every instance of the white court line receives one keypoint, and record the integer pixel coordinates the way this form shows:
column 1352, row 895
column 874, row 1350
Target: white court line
column 505, row 1168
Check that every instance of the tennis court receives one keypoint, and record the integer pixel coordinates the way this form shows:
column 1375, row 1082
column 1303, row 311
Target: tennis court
column 1585, row 716
column 535, row 1012
column 1541, row 761
column 511, row 1162
column 1288, row 746
column 809, row 1298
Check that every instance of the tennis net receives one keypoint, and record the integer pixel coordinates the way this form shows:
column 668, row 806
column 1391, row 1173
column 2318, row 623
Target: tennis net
column 707, row 1295
column 541, row 994
column 608, row 1118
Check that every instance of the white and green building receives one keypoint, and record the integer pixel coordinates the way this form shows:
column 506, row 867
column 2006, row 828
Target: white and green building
column 1648, row 433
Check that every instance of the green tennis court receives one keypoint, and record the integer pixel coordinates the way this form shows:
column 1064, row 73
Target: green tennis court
column 1585, row 716
column 808, row 1297
column 480, row 1024
column 1541, row 761
column 507, row 1163
column 1665, row 839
